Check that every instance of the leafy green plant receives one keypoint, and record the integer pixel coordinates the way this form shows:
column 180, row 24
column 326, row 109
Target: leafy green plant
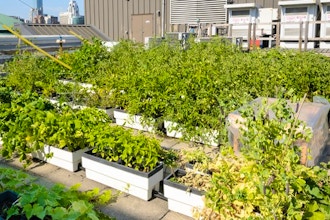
column 29, row 122
column 56, row 202
column 29, row 72
column 87, row 61
column 268, row 181
column 20, row 132
column 196, row 88
column 70, row 129
column 117, row 144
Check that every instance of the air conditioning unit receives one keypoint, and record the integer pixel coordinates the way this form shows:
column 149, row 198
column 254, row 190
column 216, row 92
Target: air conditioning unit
column 179, row 35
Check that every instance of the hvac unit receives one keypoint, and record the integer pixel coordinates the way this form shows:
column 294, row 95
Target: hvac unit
column 240, row 16
column 325, row 25
column 179, row 35
column 293, row 13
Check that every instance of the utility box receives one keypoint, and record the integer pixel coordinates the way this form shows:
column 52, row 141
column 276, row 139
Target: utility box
column 239, row 17
column 265, row 19
column 325, row 25
column 298, row 22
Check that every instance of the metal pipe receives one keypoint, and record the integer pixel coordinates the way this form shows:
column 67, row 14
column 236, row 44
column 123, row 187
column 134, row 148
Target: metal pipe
column 79, row 37
column 163, row 17
column 36, row 47
column 300, row 35
column 306, row 40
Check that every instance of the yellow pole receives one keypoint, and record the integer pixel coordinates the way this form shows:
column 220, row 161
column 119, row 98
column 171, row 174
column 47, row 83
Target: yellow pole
column 79, row 37
column 36, row 47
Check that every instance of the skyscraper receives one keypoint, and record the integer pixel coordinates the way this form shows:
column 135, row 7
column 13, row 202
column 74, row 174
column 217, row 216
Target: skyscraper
column 39, row 7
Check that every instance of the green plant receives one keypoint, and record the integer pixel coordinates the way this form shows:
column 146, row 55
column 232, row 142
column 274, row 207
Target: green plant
column 268, row 181
column 87, row 62
column 56, row 202
column 29, row 122
column 29, row 72
column 11, row 179
column 71, row 128
column 70, row 92
column 20, row 132
column 117, row 144
column 196, row 88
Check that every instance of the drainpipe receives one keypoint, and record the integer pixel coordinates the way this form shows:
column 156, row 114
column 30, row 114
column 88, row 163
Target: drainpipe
column 163, row 17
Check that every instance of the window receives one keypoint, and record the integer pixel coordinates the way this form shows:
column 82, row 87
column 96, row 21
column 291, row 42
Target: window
column 240, row 13
column 296, row 11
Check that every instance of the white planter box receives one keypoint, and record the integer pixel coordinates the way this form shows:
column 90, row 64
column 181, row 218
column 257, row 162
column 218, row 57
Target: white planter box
column 133, row 182
column 181, row 199
column 108, row 111
column 61, row 158
column 173, row 130
column 131, row 121
column 86, row 86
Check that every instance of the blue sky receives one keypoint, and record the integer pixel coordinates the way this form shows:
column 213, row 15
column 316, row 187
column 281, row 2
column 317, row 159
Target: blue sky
column 51, row 7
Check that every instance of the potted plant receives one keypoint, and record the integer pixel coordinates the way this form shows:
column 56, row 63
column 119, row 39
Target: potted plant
column 185, row 188
column 124, row 161
column 66, row 139
column 35, row 128
column 267, row 180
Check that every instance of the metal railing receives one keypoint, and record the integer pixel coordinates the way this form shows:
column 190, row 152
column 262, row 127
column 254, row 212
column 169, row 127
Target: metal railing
column 250, row 33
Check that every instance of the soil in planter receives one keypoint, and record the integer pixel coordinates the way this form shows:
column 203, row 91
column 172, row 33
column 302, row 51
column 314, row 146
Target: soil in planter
column 4, row 206
column 7, row 199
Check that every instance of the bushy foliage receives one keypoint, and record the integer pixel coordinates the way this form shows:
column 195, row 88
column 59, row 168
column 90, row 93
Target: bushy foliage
column 196, row 87
column 267, row 181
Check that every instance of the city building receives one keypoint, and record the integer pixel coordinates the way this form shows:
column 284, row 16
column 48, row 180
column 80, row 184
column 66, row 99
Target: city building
column 71, row 16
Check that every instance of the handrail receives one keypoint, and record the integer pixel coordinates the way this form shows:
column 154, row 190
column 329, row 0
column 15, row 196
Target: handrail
column 251, row 29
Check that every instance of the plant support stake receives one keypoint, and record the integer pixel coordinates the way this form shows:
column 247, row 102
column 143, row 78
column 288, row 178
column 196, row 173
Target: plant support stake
column 35, row 47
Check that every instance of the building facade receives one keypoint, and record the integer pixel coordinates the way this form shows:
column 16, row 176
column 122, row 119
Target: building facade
column 71, row 16
column 139, row 19
column 262, row 3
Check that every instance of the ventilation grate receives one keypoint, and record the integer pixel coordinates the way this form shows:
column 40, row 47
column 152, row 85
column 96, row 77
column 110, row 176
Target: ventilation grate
column 204, row 11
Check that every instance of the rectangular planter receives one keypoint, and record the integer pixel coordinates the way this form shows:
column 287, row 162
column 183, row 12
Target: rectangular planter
column 129, row 180
column 83, row 85
column 130, row 121
column 61, row 158
column 108, row 111
column 182, row 199
column 173, row 130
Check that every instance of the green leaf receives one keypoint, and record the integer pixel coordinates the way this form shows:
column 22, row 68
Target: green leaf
column 317, row 216
column 59, row 213
column 316, row 192
column 38, row 211
column 28, row 210
column 80, row 206
column 313, row 207
column 75, row 187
